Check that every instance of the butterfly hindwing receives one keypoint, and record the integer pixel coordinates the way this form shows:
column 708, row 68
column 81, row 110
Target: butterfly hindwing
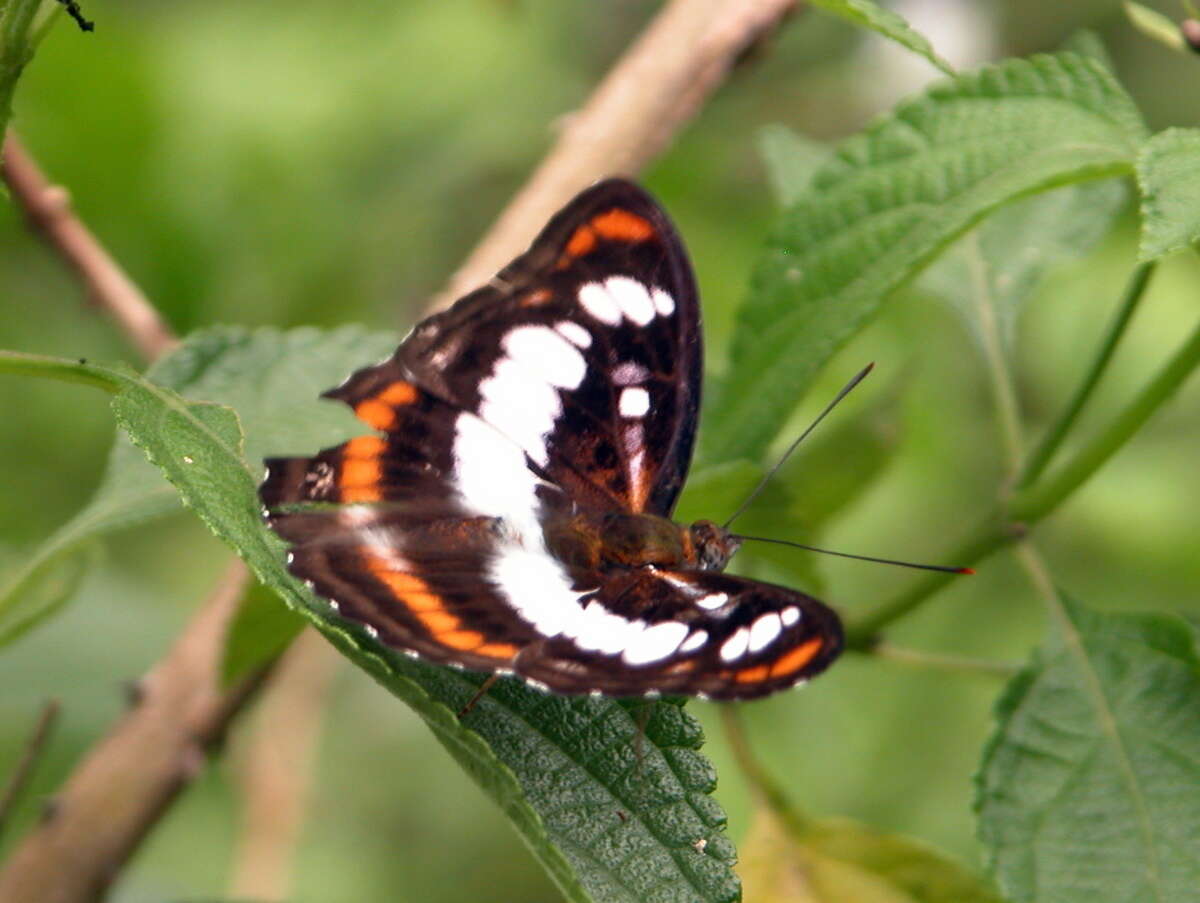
column 401, row 531
column 689, row 632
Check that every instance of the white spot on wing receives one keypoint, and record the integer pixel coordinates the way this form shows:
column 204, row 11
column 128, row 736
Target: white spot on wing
column 599, row 303
column 629, row 373
column 635, row 402
column 713, row 600
column 491, row 475
column 764, row 631
column 790, row 615
column 633, row 299
column 600, row 630
column 574, row 333
column 655, row 643
column 663, row 303
column 545, row 353
column 735, row 646
column 521, row 405
column 537, row 588
column 695, row 641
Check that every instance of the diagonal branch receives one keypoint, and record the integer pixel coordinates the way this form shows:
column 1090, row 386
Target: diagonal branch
column 48, row 209
column 651, row 92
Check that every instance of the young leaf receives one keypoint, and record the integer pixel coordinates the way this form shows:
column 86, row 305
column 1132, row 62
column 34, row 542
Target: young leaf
column 1168, row 171
column 887, row 23
column 833, row 860
column 889, row 201
column 271, row 378
column 1089, row 789
column 610, row 818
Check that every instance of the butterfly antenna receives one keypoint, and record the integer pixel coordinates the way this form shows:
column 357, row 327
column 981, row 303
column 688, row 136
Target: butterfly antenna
column 762, row 484
column 905, row 564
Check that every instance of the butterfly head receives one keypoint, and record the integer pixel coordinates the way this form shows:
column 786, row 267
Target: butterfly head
column 713, row 545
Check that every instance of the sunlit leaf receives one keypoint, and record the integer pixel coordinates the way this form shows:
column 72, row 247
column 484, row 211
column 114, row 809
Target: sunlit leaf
column 1168, row 172
column 1089, row 789
column 889, row 201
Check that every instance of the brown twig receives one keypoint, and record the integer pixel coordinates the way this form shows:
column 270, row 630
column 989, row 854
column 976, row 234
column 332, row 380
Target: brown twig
column 48, row 208
column 19, row 779
column 276, row 768
column 125, row 783
column 648, row 95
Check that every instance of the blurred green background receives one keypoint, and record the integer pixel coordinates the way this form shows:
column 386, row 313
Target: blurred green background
column 290, row 163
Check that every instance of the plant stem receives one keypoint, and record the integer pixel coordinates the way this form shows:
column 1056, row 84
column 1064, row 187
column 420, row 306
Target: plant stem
column 1041, row 455
column 1032, row 504
column 1008, row 412
column 1027, row 506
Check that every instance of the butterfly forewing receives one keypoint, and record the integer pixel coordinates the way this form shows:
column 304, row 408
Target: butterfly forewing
column 572, row 346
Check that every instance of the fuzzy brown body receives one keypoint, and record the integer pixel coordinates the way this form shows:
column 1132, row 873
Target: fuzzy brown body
column 612, row 540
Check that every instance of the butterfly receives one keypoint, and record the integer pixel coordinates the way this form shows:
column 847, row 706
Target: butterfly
column 510, row 510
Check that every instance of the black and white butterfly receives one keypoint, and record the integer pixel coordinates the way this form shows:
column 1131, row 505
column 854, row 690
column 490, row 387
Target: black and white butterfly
column 510, row 513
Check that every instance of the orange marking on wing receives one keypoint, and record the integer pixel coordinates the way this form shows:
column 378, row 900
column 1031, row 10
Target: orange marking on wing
column 797, row 658
column 537, row 298
column 582, row 242
column 361, row 473
column 398, row 393
column 497, row 650
column 752, row 675
column 621, row 225
column 439, row 621
column 379, row 409
column 375, row 414
column 364, row 447
column 465, row 640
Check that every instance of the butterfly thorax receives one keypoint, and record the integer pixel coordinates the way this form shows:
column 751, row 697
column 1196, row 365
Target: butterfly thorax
column 618, row 540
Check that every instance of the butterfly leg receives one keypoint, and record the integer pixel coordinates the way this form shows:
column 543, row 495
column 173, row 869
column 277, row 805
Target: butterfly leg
column 483, row 688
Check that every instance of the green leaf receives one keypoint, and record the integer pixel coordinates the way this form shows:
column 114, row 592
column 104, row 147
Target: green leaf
column 272, row 378
column 1089, row 789
column 262, row 628
column 17, row 42
column 1006, row 258
column 890, row 200
column 834, row 860
column 887, row 23
column 611, row 818
column 43, row 588
column 791, row 160
column 1168, row 171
